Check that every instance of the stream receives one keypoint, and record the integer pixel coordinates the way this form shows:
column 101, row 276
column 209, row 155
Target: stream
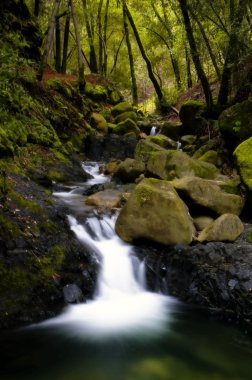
column 126, row 332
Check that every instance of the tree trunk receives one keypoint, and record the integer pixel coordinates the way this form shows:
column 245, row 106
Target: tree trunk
column 99, row 20
column 36, row 8
column 82, row 82
column 92, row 54
column 105, row 27
column 143, row 53
column 49, row 40
column 188, row 68
column 65, row 42
column 195, row 55
column 207, row 43
column 170, row 46
column 232, row 54
column 57, row 45
column 131, row 58
column 116, row 54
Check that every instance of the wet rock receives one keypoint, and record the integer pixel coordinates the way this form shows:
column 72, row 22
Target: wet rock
column 103, row 148
column 107, row 198
column 129, row 169
column 72, row 294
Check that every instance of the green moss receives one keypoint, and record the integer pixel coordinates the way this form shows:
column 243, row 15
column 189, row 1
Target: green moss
column 126, row 126
column 192, row 115
column 144, row 150
column 249, row 237
column 243, row 156
column 121, row 108
column 210, row 156
column 96, row 93
column 126, row 115
column 30, row 206
column 55, row 176
column 8, row 227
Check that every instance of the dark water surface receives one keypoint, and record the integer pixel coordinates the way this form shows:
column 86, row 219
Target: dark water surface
column 191, row 347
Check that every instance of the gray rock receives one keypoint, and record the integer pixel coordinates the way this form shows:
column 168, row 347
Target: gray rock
column 72, row 293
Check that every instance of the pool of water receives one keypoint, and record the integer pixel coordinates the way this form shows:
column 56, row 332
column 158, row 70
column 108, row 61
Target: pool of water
column 188, row 347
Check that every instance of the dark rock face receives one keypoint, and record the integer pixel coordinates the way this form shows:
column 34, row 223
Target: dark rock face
column 216, row 276
column 103, row 148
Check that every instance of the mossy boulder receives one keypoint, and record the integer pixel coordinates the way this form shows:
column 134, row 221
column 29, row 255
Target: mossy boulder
column 96, row 92
column 170, row 164
column 227, row 227
column 154, row 211
column 192, row 115
column 129, row 169
column 188, row 139
column 126, row 115
column 172, row 129
column 235, row 123
column 125, row 127
column 243, row 156
column 121, row 108
column 208, row 194
column 201, row 222
column 163, row 141
column 145, row 149
column 212, row 157
column 99, row 123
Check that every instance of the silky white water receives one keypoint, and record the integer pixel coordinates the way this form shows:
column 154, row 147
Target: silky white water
column 121, row 304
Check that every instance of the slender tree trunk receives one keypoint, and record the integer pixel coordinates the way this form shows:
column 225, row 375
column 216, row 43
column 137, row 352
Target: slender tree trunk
column 207, row 43
column 93, row 59
column 57, row 45
column 99, row 19
column 166, row 25
column 188, row 68
column 82, row 82
column 36, row 8
column 116, row 54
column 131, row 58
column 105, row 28
column 49, row 40
column 65, row 42
column 195, row 55
column 232, row 54
column 144, row 55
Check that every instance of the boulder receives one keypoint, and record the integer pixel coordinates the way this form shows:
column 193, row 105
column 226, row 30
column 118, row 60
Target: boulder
column 188, row 139
column 99, row 123
column 72, row 293
column 243, row 156
column 126, row 115
column 171, row 128
column 111, row 167
column 225, row 228
column 145, row 149
column 129, row 170
column 120, row 108
column 125, row 127
column 163, row 141
column 107, row 198
column 154, row 211
column 170, row 164
column 211, row 156
column 235, row 123
column 192, row 115
column 201, row 222
column 209, row 194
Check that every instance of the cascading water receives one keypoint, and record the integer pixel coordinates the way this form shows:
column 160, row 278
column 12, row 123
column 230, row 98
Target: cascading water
column 153, row 131
column 121, row 303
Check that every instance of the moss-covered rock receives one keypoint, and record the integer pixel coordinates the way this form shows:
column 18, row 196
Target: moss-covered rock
column 97, row 93
column 154, row 211
column 243, row 156
column 192, row 115
column 188, row 139
column 129, row 169
column 99, row 123
column 235, row 123
column 225, row 228
column 208, row 194
column 212, row 157
column 145, row 149
column 126, row 115
column 121, row 108
column 125, row 127
column 163, row 141
column 169, row 164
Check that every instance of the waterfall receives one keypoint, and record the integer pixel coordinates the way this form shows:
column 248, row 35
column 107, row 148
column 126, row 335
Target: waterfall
column 153, row 131
column 121, row 303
